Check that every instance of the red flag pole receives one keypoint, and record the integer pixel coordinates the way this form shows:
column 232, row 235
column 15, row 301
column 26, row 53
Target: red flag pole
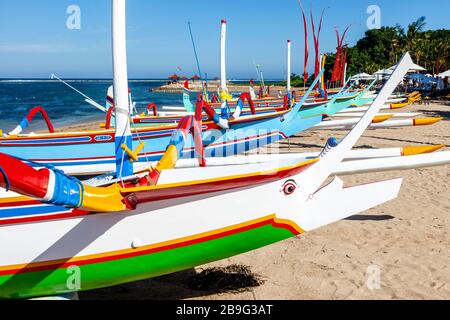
column 305, row 27
column 316, row 43
column 341, row 60
column 337, row 58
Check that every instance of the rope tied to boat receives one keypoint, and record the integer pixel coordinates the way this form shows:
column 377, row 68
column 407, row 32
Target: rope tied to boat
column 68, row 191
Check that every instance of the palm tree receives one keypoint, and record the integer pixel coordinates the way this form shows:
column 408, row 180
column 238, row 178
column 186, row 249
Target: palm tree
column 415, row 28
column 413, row 37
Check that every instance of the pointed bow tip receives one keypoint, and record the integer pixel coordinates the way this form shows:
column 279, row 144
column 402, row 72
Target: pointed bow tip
column 380, row 119
column 426, row 121
column 399, row 105
column 414, row 150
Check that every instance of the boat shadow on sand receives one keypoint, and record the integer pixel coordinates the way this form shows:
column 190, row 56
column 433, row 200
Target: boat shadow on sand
column 360, row 217
column 185, row 284
column 437, row 113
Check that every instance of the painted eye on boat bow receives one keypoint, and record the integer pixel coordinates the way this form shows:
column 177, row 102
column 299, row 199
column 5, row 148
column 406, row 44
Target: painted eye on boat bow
column 289, row 187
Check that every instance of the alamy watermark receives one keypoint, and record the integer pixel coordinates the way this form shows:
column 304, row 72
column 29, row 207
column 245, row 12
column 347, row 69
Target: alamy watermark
column 373, row 273
column 73, row 282
column 73, row 22
column 374, row 19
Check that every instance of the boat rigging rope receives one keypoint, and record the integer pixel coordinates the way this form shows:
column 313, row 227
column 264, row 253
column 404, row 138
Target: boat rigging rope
column 5, row 176
column 140, row 141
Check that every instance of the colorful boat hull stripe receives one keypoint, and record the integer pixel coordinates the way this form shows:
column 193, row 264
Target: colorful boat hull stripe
column 24, row 284
column 154, row 248
column 30, row 211
column 48, row 141
column 36, row 211
column 91, row 138
column 210, row 150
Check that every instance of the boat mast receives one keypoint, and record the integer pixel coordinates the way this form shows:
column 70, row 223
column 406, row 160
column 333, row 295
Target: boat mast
column 223, row 69
column 122, row 107
column 345, row 72
column 288, row 86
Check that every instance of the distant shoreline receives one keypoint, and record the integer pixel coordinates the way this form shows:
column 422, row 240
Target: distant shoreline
column 110, row 79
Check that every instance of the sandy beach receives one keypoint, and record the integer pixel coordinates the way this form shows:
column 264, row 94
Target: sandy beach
column 407, row 239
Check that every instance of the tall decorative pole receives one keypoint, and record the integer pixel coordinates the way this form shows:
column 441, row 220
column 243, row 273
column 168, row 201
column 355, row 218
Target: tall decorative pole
column 223, row 67
column 306, row 57
column 122, row 108
column 316, row 42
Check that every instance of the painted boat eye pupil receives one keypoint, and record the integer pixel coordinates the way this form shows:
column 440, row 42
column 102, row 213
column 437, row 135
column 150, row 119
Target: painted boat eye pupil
column 289, row 188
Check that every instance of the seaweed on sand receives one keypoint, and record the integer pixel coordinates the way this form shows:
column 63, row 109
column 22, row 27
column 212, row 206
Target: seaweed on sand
column 233, row 278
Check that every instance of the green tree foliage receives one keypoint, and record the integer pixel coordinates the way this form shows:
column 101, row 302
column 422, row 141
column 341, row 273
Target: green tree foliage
column 382, row 48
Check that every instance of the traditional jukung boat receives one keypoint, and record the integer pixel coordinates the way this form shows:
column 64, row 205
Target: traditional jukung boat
column 92, row 152
column 136, row 231
column 161, row 222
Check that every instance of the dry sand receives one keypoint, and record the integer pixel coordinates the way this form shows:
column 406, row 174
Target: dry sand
column 407, row 239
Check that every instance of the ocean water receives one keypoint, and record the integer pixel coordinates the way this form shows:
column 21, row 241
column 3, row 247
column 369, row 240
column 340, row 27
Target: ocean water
column 66, row 107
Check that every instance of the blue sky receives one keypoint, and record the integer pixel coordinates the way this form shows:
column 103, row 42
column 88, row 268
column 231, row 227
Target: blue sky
column 35, row 42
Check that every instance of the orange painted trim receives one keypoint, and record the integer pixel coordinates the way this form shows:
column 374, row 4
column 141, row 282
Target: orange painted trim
column 113, row 255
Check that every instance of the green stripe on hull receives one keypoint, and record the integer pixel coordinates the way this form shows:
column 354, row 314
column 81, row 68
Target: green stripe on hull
column 104, row 274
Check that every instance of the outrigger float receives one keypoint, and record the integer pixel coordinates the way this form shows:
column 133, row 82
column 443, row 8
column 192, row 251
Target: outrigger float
column 160, row 221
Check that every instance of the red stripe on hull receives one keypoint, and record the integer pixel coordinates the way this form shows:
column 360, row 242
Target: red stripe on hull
column 65, row 263
column 211, row 187
column 66, row 215
column 19, row 203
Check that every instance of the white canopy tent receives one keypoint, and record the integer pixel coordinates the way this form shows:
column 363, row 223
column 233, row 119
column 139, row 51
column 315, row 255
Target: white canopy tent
column 362, row 76
column 383, row 74
column 444, row 74
column 414, row 68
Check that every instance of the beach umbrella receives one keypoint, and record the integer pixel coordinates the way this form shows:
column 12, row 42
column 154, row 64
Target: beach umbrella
column 421, row 78
column 380, row 74
column 174, row 77
column 195, row 77
column 362, row 76
column 414, row 68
